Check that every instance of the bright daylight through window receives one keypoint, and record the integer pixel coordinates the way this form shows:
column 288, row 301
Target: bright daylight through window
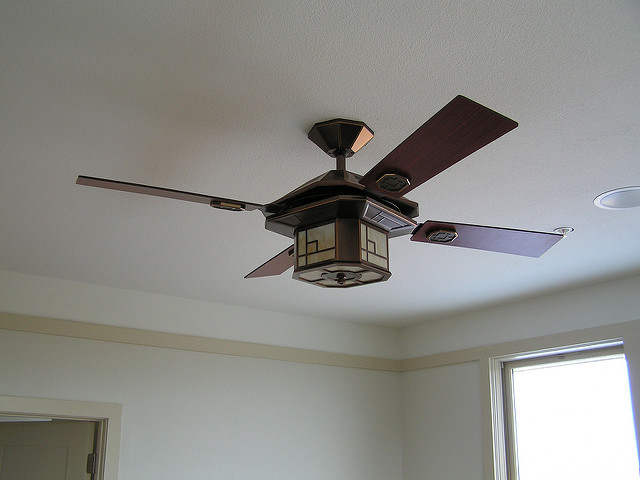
column 569, row 416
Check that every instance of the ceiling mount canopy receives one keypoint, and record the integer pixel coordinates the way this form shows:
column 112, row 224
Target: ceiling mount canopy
column 340, row 138
column 341, row 222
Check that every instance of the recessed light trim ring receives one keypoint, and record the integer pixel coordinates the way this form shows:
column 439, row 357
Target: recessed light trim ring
column 619, row 198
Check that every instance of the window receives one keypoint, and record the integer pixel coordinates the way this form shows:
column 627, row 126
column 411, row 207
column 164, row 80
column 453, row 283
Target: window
column 567, row 415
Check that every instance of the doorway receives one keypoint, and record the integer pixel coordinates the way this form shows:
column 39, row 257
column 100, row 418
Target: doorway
column 41, row 448
column 34, row 427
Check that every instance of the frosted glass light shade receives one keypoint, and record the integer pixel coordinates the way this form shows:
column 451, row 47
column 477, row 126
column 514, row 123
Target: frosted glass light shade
column 343, row 253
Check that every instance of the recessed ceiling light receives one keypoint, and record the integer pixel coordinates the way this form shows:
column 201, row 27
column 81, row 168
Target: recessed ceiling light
column 627, row 197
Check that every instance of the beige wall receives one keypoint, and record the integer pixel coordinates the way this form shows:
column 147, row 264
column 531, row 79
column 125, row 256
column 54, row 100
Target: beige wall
column 442, row 430
column 205, row 416
column 199, row 414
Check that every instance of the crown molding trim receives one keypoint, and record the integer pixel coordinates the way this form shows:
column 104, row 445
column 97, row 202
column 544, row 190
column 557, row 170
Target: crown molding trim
column 149, row 338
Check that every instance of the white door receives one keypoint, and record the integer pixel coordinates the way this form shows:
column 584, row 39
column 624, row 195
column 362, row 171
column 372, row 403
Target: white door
column 53, row 450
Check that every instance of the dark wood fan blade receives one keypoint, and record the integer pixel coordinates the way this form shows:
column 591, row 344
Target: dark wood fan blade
column 275, row 266
column 459, row 129
column 218, row 202
column 493, row 239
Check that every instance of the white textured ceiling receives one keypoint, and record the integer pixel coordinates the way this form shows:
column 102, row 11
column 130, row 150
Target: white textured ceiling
column 217, row 98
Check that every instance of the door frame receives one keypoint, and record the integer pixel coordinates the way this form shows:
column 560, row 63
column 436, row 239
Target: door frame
column 107, row 415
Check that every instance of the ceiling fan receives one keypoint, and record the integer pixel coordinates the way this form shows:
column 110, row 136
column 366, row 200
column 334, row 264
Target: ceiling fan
column 341, row 221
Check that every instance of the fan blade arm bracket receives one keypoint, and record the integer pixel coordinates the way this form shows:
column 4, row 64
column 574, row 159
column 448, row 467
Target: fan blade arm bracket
column 228, row 205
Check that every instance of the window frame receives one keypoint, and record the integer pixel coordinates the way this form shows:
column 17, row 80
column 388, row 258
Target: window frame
column 500, row 369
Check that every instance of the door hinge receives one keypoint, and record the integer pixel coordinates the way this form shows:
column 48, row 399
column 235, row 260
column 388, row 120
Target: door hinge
column 91, row 463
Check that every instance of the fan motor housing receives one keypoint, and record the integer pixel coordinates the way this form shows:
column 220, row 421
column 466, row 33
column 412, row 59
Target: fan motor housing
column 341, row 241
column 341, row 230
column 340, row 206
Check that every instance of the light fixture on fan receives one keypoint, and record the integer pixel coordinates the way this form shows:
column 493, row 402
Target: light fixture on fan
column 342, row 253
